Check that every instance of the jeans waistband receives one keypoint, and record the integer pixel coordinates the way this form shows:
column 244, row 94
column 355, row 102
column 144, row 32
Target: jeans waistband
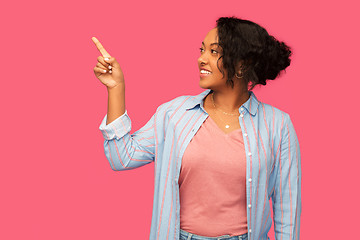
column 191, row 236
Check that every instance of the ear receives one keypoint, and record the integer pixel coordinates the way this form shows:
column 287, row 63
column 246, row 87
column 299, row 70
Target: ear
column 238, row 67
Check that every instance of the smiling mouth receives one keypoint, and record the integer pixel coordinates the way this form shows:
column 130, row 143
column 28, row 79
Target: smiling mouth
column 202, row 71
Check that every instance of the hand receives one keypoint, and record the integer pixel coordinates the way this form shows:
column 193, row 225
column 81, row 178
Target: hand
column 112, row 76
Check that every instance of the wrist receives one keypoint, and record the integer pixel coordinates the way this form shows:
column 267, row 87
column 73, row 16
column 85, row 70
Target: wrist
column 117, row 87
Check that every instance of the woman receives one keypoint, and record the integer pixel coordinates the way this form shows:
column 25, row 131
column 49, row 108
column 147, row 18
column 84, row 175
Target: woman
column 220, row 155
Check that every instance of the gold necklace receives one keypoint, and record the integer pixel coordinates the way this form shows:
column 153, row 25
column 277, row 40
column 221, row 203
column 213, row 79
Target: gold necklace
column 212, row 97
column 226, row 125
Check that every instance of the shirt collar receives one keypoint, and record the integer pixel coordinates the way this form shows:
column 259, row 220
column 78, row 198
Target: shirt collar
column 251, row 105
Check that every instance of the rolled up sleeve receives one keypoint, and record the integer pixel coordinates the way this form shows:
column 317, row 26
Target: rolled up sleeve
column 117, row 128
column 126, row 151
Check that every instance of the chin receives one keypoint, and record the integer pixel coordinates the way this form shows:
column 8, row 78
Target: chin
column 202, row 84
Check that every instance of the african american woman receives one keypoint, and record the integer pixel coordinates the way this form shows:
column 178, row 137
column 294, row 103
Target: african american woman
column 219, row 156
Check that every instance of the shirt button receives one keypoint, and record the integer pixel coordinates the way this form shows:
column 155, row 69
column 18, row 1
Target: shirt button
column 245, row 134
column 250, row 230
column 241, row 115
column 250, row 179
column 242, row 109
column 249, row 153
column 249, row 205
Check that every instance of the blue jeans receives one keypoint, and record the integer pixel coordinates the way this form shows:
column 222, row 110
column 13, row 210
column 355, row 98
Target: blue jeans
column 184, row 235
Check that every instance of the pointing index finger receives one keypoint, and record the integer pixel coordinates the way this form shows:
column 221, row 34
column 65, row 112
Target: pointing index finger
column 100, row 47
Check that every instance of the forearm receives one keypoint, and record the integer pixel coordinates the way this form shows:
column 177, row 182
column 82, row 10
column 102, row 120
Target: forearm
column 116, row 102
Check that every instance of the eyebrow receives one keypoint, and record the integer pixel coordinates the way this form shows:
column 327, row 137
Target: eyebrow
column 210, row 44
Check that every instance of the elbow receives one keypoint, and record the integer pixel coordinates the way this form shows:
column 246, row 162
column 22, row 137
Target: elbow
column 115, row 160
column 114, row 167
column 116, row 164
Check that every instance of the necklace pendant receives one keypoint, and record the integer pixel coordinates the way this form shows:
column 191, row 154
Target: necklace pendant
column 227, row 126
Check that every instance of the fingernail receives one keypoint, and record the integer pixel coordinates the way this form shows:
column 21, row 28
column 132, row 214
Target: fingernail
column 110, row 71
column 107, row 59
column 104, row 71
column 109, row 66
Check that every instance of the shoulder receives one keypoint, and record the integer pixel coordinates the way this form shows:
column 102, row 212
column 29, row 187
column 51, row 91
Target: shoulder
column 172, row 110
column 275, row 117
column 180, row 102
column 273, row 110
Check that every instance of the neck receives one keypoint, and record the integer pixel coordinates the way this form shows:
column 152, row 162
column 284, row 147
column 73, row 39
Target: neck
column 230, row 101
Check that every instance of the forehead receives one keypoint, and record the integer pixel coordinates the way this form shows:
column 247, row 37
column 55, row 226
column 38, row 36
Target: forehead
column 211, row 37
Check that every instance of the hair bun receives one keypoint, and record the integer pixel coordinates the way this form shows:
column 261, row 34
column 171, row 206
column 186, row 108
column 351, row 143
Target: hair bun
column 277, row 57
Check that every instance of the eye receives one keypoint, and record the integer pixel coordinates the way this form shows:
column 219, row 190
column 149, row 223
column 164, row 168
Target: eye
column 201, row 49
column 214, row 51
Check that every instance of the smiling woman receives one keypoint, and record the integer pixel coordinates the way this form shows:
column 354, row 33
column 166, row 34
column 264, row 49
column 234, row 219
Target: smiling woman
column 221, row 155
column 208, row 60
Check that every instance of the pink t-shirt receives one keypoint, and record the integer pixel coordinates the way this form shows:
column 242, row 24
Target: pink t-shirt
column 212, row 183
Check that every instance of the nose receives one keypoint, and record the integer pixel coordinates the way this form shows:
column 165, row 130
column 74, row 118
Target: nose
column 202, row 60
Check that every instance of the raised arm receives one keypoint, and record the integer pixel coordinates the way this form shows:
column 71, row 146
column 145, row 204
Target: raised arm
column 123, row 150
column 286, row 199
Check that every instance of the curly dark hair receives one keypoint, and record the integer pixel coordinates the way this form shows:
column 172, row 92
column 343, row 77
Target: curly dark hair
column 262, row 56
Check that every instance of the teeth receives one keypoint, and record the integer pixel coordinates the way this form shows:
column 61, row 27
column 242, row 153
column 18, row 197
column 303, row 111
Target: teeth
column 204, row 71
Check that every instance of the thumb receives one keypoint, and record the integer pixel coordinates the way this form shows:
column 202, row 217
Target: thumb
column 112, row 61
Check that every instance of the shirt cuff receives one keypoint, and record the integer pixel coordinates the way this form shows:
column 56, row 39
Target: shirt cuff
column 117, row 128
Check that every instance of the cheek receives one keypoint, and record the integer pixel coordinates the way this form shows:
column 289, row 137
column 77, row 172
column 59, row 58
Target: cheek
column 218, row 68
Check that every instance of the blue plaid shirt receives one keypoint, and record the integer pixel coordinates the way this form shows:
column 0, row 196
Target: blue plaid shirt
column 273, row 162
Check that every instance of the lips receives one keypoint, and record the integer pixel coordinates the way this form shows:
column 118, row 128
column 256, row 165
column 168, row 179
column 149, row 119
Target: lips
column 205, row 71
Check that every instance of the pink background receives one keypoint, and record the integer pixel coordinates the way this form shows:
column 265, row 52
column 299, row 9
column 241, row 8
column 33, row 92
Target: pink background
column 55, row 181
